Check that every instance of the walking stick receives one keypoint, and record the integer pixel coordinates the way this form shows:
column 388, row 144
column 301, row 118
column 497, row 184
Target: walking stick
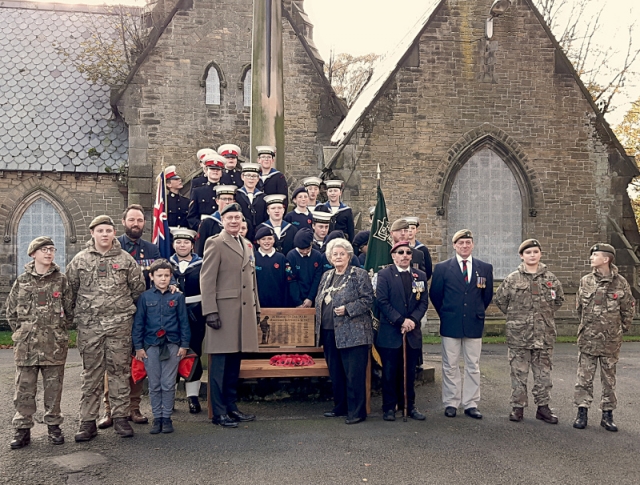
column 404, row 362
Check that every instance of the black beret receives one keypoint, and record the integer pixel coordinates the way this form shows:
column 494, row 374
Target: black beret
column 303, row 238
column 333, row 235
column 298, row 191
column 361, row 239
column 264, row 231
column 235, row 207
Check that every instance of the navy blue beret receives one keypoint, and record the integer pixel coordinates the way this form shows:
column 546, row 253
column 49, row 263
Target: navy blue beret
column 303, row 238
column 264, row 231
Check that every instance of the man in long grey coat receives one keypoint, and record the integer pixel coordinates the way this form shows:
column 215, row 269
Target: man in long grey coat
column 230, row 303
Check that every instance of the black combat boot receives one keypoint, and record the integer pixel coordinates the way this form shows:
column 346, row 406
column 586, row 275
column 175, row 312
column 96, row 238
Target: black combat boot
column 55, row 434
column 545, row 414
column 607, row 421
column 87, row 431
column 517, row 414
column 21, row 439
column 122, row 427
column 581, row 419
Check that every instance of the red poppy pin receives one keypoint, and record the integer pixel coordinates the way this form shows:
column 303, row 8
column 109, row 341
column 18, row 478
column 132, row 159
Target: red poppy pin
column 249, row 245
column 56, row 294
column 161, row 333
column 549, row 284
column 172, row 303
column 276, row 265
column 615, row 296
column 308, row 221
column 315, row 265
column 415, row 275
column 116, row 266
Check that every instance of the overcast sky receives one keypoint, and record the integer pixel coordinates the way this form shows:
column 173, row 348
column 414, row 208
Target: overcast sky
column 363, row 26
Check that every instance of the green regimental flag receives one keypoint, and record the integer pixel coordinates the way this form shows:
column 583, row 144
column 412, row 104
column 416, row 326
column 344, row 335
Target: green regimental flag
column 380, row 241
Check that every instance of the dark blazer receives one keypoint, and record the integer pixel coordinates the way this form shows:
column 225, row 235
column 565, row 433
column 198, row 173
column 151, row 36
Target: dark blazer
column 395, row 305
column 461, row 306
column 355, row 327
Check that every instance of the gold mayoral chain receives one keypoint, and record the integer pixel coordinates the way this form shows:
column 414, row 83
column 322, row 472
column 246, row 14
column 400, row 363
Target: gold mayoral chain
column 328, row 292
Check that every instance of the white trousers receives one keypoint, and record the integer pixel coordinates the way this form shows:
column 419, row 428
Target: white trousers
column 453, row 393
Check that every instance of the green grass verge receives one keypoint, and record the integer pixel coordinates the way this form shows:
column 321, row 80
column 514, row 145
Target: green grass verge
column 5, row 338
column 428, row 339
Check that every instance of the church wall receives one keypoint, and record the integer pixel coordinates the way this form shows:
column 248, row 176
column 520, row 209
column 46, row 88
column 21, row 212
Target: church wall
column 165, row 104
column 464, row 89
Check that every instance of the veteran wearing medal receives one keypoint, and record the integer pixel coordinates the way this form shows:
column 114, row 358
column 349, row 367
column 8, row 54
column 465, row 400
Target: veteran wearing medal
column 529, row 297
column 231, row 307
column 402, row 300
column 461, row 290
column 606, row 308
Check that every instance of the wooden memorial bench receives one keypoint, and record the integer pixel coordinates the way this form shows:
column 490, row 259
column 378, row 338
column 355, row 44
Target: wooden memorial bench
column 285, row 331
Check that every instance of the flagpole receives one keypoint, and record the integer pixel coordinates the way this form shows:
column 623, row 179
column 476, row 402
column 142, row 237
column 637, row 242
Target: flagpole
column 378, row 172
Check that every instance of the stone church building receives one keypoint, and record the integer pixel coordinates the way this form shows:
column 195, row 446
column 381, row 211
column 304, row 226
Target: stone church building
column 498, row 135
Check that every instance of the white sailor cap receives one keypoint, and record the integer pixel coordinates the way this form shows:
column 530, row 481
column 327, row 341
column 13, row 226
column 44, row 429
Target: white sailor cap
column 274, row 199
column 317, row 181
column 413, row 221
column 225, row 190
column 266, row 150
column 183, row 233
column 204, row 152
column 229, row 151
column 334, row 184
column 213, row 160
column 170, row 173
column 321, row 216
column 251, row 167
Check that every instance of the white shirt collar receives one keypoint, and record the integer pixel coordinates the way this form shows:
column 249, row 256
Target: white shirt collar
column 269, row 254
column 298, row 211
column 400, row 270
column 303, row 255
column 468, row 260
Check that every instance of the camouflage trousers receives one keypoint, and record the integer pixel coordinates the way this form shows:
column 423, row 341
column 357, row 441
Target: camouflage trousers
column 102, row 352
column 540, row 363
column 24, row 398
column 135, row 396
column 583, row 395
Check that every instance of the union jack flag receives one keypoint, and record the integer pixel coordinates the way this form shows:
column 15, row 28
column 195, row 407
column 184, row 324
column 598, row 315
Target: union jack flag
column 161, row 237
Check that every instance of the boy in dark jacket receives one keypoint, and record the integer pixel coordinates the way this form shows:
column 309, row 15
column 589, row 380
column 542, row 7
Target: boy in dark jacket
column 161, row 338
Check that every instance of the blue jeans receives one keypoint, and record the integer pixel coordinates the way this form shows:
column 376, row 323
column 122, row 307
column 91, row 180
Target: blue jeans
column 162, row 380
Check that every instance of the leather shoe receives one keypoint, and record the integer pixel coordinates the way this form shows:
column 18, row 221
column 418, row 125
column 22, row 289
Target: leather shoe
column 333, row 414
column 354, row 420
column 122, row 427
column 450, row 412
column 389, row 415
column 473, row 413
column 21, row 438
column 417, row 415
column 106, row 421
column 137, row 417
column 241, row 417
column 225, row 421
column 545, row 414
column 517, row 415
column 194, row 405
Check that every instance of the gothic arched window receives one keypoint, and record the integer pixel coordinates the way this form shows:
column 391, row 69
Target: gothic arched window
column 246, row 87
column 41, row 219
column 486, row 199
column 212, row 87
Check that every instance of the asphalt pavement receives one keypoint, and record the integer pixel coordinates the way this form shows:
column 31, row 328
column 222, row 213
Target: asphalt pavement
column 292, row 443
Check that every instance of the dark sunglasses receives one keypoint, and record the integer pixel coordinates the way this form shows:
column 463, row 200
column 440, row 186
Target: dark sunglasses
column 402, row 253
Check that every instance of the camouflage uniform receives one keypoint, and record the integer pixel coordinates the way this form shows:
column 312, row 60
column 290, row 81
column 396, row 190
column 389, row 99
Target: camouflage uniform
column 105, row 289
column 39, row 311
column 606, row 308
column 530, row 301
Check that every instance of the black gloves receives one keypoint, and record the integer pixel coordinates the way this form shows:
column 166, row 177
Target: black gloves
column 213, row 321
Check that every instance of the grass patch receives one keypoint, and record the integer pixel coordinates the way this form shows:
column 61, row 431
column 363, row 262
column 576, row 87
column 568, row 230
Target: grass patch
column 5, row 338
column 432, row 340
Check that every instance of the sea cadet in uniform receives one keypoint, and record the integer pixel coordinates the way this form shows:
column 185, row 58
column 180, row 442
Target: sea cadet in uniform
column 300, row 216
column 186, row 270
column 232, row 309
column 360, row 243
column 312, row 184
column 212, row 224
column 606, row 307
column 106, row 283
column 414, row 223
column 461, row 290
column 342, row 219
column 529, row 297
column 401, row 292
column 321, row 220
column 231, row 175
column 273, row 272
column 284, row 231
column 271, row 180
column 202, row 179
column 203, row 199
column 251, row 199
column 177, row 205
column 39, row 310
column 306, row 269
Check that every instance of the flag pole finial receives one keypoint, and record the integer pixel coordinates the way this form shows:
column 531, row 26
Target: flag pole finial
column 378, row 171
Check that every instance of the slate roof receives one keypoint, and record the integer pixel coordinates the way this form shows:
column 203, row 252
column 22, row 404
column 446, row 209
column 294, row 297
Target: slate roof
column 50, row 116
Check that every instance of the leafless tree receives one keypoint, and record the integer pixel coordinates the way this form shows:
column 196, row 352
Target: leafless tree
column 603, row 69
column 348, row 74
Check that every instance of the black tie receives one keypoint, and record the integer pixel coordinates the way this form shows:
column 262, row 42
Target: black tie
column 406, row 282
